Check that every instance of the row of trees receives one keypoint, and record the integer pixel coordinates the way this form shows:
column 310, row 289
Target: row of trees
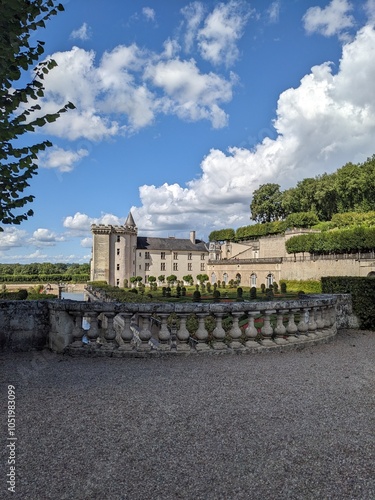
column 350, row 188
column 137, row 280
column 45, row 268
column 357, row 239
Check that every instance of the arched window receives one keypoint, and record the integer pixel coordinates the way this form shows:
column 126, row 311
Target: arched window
column 225, row 278
column 238, row 278
column 213, row 278
column 269, row 280
column 253, row 280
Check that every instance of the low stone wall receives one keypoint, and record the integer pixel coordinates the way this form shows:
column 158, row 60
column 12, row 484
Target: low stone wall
column 24, row 325
column 58, row 324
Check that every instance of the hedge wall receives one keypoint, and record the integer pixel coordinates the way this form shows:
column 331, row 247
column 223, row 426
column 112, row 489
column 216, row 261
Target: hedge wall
column 363, row 295
column 307, row 286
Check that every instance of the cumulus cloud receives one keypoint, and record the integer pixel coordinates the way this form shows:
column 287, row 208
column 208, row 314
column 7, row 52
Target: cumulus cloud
column 223, row 27
column 61, row 159
column 82, row 33
column 81, row 223
column 370, row 10
column 86, row 242
column 331, row 20
column 320, row 125
column 45, row 237
column 11, row 237
column 193, row 14
column 149, row 13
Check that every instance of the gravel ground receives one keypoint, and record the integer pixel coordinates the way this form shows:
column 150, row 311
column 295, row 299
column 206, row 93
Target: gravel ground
column 292, row 425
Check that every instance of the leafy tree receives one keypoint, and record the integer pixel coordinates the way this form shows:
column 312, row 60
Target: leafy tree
column 266, row 205
column 202, row 278
column 222, row 235
column 161, row 278
column 171, row 279
column 188, row 279
column 18, row 19
column 301, row 219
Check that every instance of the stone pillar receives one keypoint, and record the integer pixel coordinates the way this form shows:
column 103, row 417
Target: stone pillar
column 109, row 333
column 164, row 334
column 311, row 324
column 291, row 328
column 280, row 329
column 219, row 333
column 202, row 333
column 183, row 334
column 93, row 332
column 126, row 332
column 78, row 331
column 251, row 332
column 145, row 333
column 267, row 330
column 302, row 324
column 235, row 332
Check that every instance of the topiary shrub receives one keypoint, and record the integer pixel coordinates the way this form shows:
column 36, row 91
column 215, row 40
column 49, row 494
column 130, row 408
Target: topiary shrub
column 283, row 287
column 196, row 296
column 22, row 294
column 263, row 287
column 253, row 293
column 216, row 296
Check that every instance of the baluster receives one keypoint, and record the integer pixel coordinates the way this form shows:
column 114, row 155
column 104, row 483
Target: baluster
column 93, row 332
column 251, row 332
column 235, row 332
column 311, row 324
column 183, row 334
column 145, row 333
column 219, row 332
column 302, row 324
column 319, row 322
column 109, row 333
column 164, row 334
column 202, row 333
column 78, row 331
column 291, row 328
column 126, row 332
column 327, row 322
column 267, row 330
column 280, row 329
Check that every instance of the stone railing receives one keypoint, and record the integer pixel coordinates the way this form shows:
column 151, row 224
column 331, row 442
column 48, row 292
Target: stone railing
column 116, row 329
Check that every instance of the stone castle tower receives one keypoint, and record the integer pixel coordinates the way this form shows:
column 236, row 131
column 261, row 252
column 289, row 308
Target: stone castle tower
column 113, row 252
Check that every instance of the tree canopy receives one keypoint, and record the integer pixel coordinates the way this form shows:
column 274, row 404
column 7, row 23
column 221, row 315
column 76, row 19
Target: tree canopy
column 266, row 205
column 18, row 163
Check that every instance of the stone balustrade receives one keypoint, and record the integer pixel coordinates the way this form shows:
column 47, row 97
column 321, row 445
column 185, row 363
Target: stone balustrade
column 122, row 330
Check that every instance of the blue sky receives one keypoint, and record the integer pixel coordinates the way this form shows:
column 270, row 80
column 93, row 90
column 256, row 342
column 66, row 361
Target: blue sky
column 184, row 108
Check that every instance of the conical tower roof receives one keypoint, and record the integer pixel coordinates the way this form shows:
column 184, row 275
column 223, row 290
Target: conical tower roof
column 130, row 221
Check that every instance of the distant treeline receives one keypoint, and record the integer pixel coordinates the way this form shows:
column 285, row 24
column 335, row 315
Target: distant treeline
column 44, row 272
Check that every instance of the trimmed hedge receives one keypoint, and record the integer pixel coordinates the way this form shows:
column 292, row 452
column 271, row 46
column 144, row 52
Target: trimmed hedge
column 362, row 291
column 44, row 278
column 307, row 286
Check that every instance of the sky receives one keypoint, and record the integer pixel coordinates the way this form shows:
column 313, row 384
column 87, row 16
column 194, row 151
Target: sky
column 183, row 109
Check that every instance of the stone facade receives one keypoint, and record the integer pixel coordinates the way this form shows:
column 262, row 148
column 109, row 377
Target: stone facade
column 119, row 253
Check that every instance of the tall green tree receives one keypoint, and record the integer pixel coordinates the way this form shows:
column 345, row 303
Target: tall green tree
column 266, row 205
column 18, row 163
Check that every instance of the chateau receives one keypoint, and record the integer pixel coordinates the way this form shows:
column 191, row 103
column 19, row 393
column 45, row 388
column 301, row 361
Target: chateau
column 119, row 253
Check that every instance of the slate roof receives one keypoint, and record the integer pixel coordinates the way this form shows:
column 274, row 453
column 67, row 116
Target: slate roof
column 170, row 244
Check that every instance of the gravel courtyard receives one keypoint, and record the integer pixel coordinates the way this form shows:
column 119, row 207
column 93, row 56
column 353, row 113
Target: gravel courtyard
column 282, row 425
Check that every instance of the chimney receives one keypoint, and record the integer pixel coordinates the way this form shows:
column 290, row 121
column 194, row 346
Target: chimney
column 192, row 236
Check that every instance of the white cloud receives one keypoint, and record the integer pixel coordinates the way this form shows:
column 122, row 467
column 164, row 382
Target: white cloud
column 191, row 95
column 61, row 159
column 332, row 20
column 11, row 237
column 82, row 33
column 149, row 13
column 81, row 223
column 320, row 126
column 223, row 27
column 45, row 237
column 370, row 10
column 86, row 242
column 274, row 12
column 193, row 13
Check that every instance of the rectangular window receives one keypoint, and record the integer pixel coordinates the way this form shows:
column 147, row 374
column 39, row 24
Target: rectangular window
column 118, row 239
column 140, row 254
column 117, row 282
column 190, row 267
column 140, row 267
column 118, row 267
column 190, row 256
column 118, row 251
column 147, row 255
column 175, row 266
column 147, row 266
column 202, row 267
column 162, row 255
column 203, row 256
column 175, row 255
column 162, row 266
